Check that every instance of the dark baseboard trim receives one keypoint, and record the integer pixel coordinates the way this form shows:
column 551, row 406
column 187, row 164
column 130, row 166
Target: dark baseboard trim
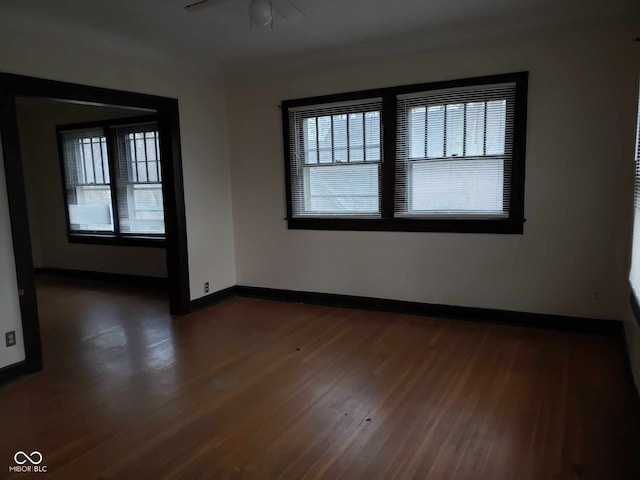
column 213, row 298
column 139, row 280
column 537, row 320
column 17, row 370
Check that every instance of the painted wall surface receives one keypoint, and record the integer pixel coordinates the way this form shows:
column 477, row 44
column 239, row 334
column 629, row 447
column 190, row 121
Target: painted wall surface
column 37, row 121
column 10, row 318
column 573, row 256
column 202, row 107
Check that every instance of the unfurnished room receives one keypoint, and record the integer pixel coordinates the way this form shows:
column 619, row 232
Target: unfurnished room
column 297, row 239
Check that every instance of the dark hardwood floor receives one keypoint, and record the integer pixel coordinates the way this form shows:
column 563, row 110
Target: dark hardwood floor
column 254, row 389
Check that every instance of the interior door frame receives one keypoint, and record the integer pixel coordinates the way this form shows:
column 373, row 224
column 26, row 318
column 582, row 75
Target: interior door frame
column 12, row 86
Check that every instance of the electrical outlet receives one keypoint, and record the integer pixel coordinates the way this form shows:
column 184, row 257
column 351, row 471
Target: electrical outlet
column 206, row 287
column 10, row 338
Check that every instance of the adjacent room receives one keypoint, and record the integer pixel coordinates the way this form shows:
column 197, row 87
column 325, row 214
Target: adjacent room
column 287, row 239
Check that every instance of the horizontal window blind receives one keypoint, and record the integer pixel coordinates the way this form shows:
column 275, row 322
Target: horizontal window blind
column 335, row 153
column 87, row 180
column 139, row 179
column 454, row 152
column 634, row 275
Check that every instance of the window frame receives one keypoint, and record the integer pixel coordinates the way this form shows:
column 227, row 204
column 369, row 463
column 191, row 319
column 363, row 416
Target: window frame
column 115, row 238
column 354, row 215
column 512, row 224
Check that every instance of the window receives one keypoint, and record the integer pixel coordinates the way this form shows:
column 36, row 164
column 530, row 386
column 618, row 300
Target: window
column 446, row 156
column 337, row 171
column 113, row 181
column 634, row 274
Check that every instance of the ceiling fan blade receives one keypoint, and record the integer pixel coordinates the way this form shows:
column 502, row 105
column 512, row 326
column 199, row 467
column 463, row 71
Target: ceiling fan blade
column 194, row 7
column 287, row 10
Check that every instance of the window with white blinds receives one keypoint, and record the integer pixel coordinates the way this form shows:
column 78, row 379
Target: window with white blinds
column 87, row 180
column 335, row 157
column 139, row 185
column 634, row 274
column 113, row 179
column 447, row 156
column 455, row 150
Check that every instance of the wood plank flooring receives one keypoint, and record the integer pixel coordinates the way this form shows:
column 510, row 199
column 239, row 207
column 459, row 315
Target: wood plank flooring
column 255, row 390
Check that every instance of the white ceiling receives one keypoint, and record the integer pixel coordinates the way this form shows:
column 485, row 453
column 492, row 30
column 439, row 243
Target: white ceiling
column 220, row 36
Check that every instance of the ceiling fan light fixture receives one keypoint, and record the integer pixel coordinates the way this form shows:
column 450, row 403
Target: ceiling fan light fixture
column 261, row 12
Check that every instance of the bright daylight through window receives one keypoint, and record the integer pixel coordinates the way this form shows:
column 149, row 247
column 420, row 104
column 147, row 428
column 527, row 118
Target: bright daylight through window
column 451, row 157
column 113, row 179
column 634, row 275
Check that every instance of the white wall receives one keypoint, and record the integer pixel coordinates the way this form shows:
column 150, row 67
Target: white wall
column 573, row 256
column 203, row 129
column 10, row 305
column 37, row 121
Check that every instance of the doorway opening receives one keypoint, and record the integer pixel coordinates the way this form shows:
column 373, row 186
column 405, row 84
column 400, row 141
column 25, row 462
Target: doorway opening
column 16, row 89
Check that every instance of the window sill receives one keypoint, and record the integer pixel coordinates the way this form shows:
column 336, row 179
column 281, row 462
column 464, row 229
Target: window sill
column 123, row 241
column 501, row 226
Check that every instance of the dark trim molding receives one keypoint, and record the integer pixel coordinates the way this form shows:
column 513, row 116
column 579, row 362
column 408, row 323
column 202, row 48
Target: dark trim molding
column 506, row 317
column 116, row 240
column 213, row 298
column 15, row 371
column 502, row 226
column 138, row 280
column 124, row 121
column 20, row 234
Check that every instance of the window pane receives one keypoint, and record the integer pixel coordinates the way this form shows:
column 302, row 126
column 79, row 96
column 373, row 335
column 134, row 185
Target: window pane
column 340, row 138
column 455, row 130
column 342, row 189
column 356, row 137
column 325, row 138
column 417, row 130
column 97, row 160
column 86, row 167
column 474, row 135
column 87, row 161
column 150, row 140
column 310, row 140
column 435, row 131
column 90, row 209
column 496, row 119
column 372, row 136
column 140, row 202
column 145, row 211
column 457, row 186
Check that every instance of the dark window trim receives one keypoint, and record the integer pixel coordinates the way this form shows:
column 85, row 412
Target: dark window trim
column 511, row 225
column 116, row 122
column 100, row 238
column 122, row 240
column 503, row 226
